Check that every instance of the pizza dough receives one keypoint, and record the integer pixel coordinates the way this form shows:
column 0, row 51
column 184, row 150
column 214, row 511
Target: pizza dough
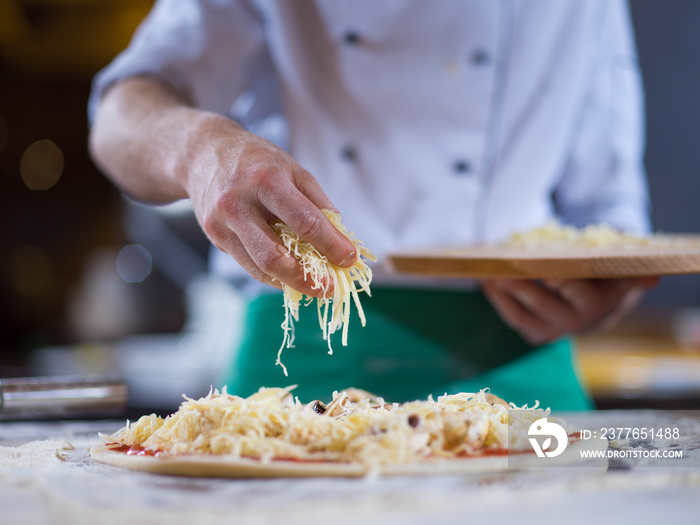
column 357, row 434
column 233, row 467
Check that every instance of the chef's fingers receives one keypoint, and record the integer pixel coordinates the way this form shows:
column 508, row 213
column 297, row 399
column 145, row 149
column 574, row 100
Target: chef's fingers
column 648, row 282
column 310, row 187
column 533, row 328
column 589, row 298
column 268, row 252
column 238, row 252
column 543, row 313
column 299, row 207
column 626, row 303
column 593, row 298
column 259, row 250
column 602, row 302
column 542, row 303
column 228, row 242
column 625, row 295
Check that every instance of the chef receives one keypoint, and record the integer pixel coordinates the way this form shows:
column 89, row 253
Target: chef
column 423, row 123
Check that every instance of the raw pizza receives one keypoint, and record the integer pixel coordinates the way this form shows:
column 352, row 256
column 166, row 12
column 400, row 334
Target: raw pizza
column 272, row 434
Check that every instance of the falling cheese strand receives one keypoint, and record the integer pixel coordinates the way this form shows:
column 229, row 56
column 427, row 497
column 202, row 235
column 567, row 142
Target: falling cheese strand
column 321, row 272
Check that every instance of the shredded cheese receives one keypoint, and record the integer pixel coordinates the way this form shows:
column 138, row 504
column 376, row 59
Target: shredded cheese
column 355, row 427
column 321, row 272
column 555, row 235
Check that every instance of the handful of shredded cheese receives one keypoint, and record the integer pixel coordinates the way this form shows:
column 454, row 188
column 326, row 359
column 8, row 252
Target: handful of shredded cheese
column 355, row 427
column 556, row 235
column 346, row 283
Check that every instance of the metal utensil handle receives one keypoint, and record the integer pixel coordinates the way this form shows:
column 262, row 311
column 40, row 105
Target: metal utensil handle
column 62, row 397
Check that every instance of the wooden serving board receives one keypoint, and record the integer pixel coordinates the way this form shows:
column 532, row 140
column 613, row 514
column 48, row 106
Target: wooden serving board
column 666, row 255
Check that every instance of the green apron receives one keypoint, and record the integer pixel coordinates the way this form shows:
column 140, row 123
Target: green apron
column 416, row 342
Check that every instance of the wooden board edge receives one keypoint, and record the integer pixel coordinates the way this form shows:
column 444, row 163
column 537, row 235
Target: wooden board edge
column 549, row 268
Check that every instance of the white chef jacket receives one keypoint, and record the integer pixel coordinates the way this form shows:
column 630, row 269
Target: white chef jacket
column 425, row 122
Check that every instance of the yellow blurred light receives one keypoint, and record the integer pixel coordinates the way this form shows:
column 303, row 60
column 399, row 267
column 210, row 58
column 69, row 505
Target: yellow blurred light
column 30, row 270
column 635, row 372
column 41, row 165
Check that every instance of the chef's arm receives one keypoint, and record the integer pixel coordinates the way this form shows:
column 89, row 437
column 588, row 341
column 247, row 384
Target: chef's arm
column 123, row 139
column 158, row 149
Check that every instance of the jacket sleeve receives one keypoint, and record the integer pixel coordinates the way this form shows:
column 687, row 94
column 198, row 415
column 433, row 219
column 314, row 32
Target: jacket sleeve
column 201, row 48
column 604, row 179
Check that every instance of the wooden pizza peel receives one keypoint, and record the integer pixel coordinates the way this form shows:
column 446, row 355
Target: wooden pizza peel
column 666, row 255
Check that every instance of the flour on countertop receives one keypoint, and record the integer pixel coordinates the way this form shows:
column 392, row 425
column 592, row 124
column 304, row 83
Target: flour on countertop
column 35, row 454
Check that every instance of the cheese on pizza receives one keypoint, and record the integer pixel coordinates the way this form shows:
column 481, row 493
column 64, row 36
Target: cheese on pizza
column 556, row 235
column 347, row 282
column 356, row 427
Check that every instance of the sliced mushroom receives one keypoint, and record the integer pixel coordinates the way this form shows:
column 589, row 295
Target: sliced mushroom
column 355, row 395
column 465, row 430
column 418, row 441
column 492, row 399
column 477, row 431
column 454, row 430
column 337, row 405
column 317, row 406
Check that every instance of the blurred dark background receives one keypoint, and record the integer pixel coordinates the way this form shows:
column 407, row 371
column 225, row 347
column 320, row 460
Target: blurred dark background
column 81, row 266
column 54, row 221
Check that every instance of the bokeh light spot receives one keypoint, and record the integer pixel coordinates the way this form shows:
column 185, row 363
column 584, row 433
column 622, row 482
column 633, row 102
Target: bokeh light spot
column 41, row 165
column 134, row 263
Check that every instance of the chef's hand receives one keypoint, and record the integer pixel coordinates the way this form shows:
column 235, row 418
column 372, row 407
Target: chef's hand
column 239, row 184
column 543, row 311
column 158, row 149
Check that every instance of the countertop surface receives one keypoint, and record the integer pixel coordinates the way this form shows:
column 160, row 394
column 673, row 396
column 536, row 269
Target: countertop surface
column 48, row 477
